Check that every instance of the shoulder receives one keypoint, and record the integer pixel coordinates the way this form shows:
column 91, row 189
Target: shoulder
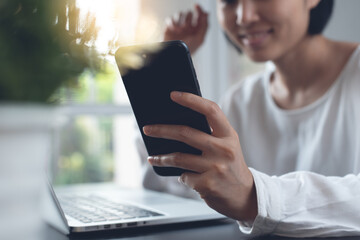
column 348, row 54
column 356, row 56
column 351, row 71
column 246, row 100
column 247, row 85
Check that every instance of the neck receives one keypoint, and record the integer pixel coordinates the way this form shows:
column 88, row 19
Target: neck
column 297, row 69
column 305, row 74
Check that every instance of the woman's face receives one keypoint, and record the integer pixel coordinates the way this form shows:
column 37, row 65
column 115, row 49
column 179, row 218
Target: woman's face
column 265, row 29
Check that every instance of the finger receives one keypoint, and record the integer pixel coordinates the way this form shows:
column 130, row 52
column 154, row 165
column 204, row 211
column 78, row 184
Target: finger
column 191, row 179
column 185, row 134
column 202, row 18
column 176, row 20
column 200, row 182
column 212, row 112
column 200, row 28
column 169, row 23
column 182, row 17
column 202, row 24
column 180, row 160
column 170, row 28
column 199, row 10
column 188, row 19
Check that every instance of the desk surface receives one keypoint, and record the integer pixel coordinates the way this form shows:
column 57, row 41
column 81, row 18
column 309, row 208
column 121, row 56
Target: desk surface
column 219, row 230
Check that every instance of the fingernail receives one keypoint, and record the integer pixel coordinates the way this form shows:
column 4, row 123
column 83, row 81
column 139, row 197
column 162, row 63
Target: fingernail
column 180, row 179
column 150, row 159
column 147, row 130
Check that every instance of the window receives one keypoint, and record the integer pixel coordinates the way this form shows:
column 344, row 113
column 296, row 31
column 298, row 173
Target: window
column 97, row 134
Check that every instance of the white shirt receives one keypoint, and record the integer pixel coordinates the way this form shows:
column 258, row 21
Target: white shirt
column 305, row 162
column 313, row 153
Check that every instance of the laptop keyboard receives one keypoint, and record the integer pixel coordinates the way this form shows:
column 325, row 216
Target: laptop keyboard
column 93, row 208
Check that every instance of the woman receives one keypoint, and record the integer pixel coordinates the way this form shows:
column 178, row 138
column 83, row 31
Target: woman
column 297, row 121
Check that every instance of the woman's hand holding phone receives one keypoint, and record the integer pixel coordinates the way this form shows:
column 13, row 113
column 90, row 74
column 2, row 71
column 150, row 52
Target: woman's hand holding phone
column 221, row 176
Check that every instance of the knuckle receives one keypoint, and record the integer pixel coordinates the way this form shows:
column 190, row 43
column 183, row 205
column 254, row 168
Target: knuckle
column 213, row 109
column 220, row 169
column 213, row 146
column 228, row 152
column 176, row 158
column 235, row 136
column 210, row 146
column 233, row 131
column 185, row 132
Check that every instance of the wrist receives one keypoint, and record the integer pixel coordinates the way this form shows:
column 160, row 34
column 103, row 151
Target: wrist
column 251, row 207
column 252, row 202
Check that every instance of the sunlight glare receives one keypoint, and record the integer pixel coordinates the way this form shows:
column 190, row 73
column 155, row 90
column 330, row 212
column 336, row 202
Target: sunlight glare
column 115, row 19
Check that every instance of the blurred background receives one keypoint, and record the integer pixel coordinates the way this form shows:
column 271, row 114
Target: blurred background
column 97, row 140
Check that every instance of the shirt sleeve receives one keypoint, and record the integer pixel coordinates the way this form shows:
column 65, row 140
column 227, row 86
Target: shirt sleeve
column 306, row 204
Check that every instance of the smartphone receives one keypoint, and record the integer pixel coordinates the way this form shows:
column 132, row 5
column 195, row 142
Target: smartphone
column 151, row 73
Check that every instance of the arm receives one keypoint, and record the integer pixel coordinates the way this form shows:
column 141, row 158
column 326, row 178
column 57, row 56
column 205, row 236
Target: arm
column 188, row 28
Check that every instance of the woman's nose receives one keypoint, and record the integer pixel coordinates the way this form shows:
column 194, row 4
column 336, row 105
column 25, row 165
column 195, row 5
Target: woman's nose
column 246, row 12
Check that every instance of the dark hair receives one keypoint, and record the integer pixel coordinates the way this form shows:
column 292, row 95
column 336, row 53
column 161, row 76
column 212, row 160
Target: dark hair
column 319, row 18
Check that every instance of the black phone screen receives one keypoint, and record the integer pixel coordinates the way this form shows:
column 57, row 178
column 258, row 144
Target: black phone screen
column 165, row 67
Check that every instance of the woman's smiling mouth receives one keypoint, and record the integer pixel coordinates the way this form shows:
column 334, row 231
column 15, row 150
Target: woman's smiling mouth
column 255, row 39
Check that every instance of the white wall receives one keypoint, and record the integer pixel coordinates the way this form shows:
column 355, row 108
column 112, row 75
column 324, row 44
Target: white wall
column 345, row 22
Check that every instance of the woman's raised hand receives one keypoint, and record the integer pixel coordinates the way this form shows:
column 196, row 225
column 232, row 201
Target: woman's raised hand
column 188, row 27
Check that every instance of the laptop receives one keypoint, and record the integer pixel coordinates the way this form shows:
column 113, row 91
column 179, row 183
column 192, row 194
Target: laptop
column 100, row 207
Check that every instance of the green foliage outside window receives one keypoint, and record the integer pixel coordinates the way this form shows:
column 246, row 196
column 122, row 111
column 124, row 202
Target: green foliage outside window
column 86, row 151
column 93, row 87
column 87, row 141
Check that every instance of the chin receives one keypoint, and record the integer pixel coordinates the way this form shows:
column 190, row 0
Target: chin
column 261, row 54
column 256, row 57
